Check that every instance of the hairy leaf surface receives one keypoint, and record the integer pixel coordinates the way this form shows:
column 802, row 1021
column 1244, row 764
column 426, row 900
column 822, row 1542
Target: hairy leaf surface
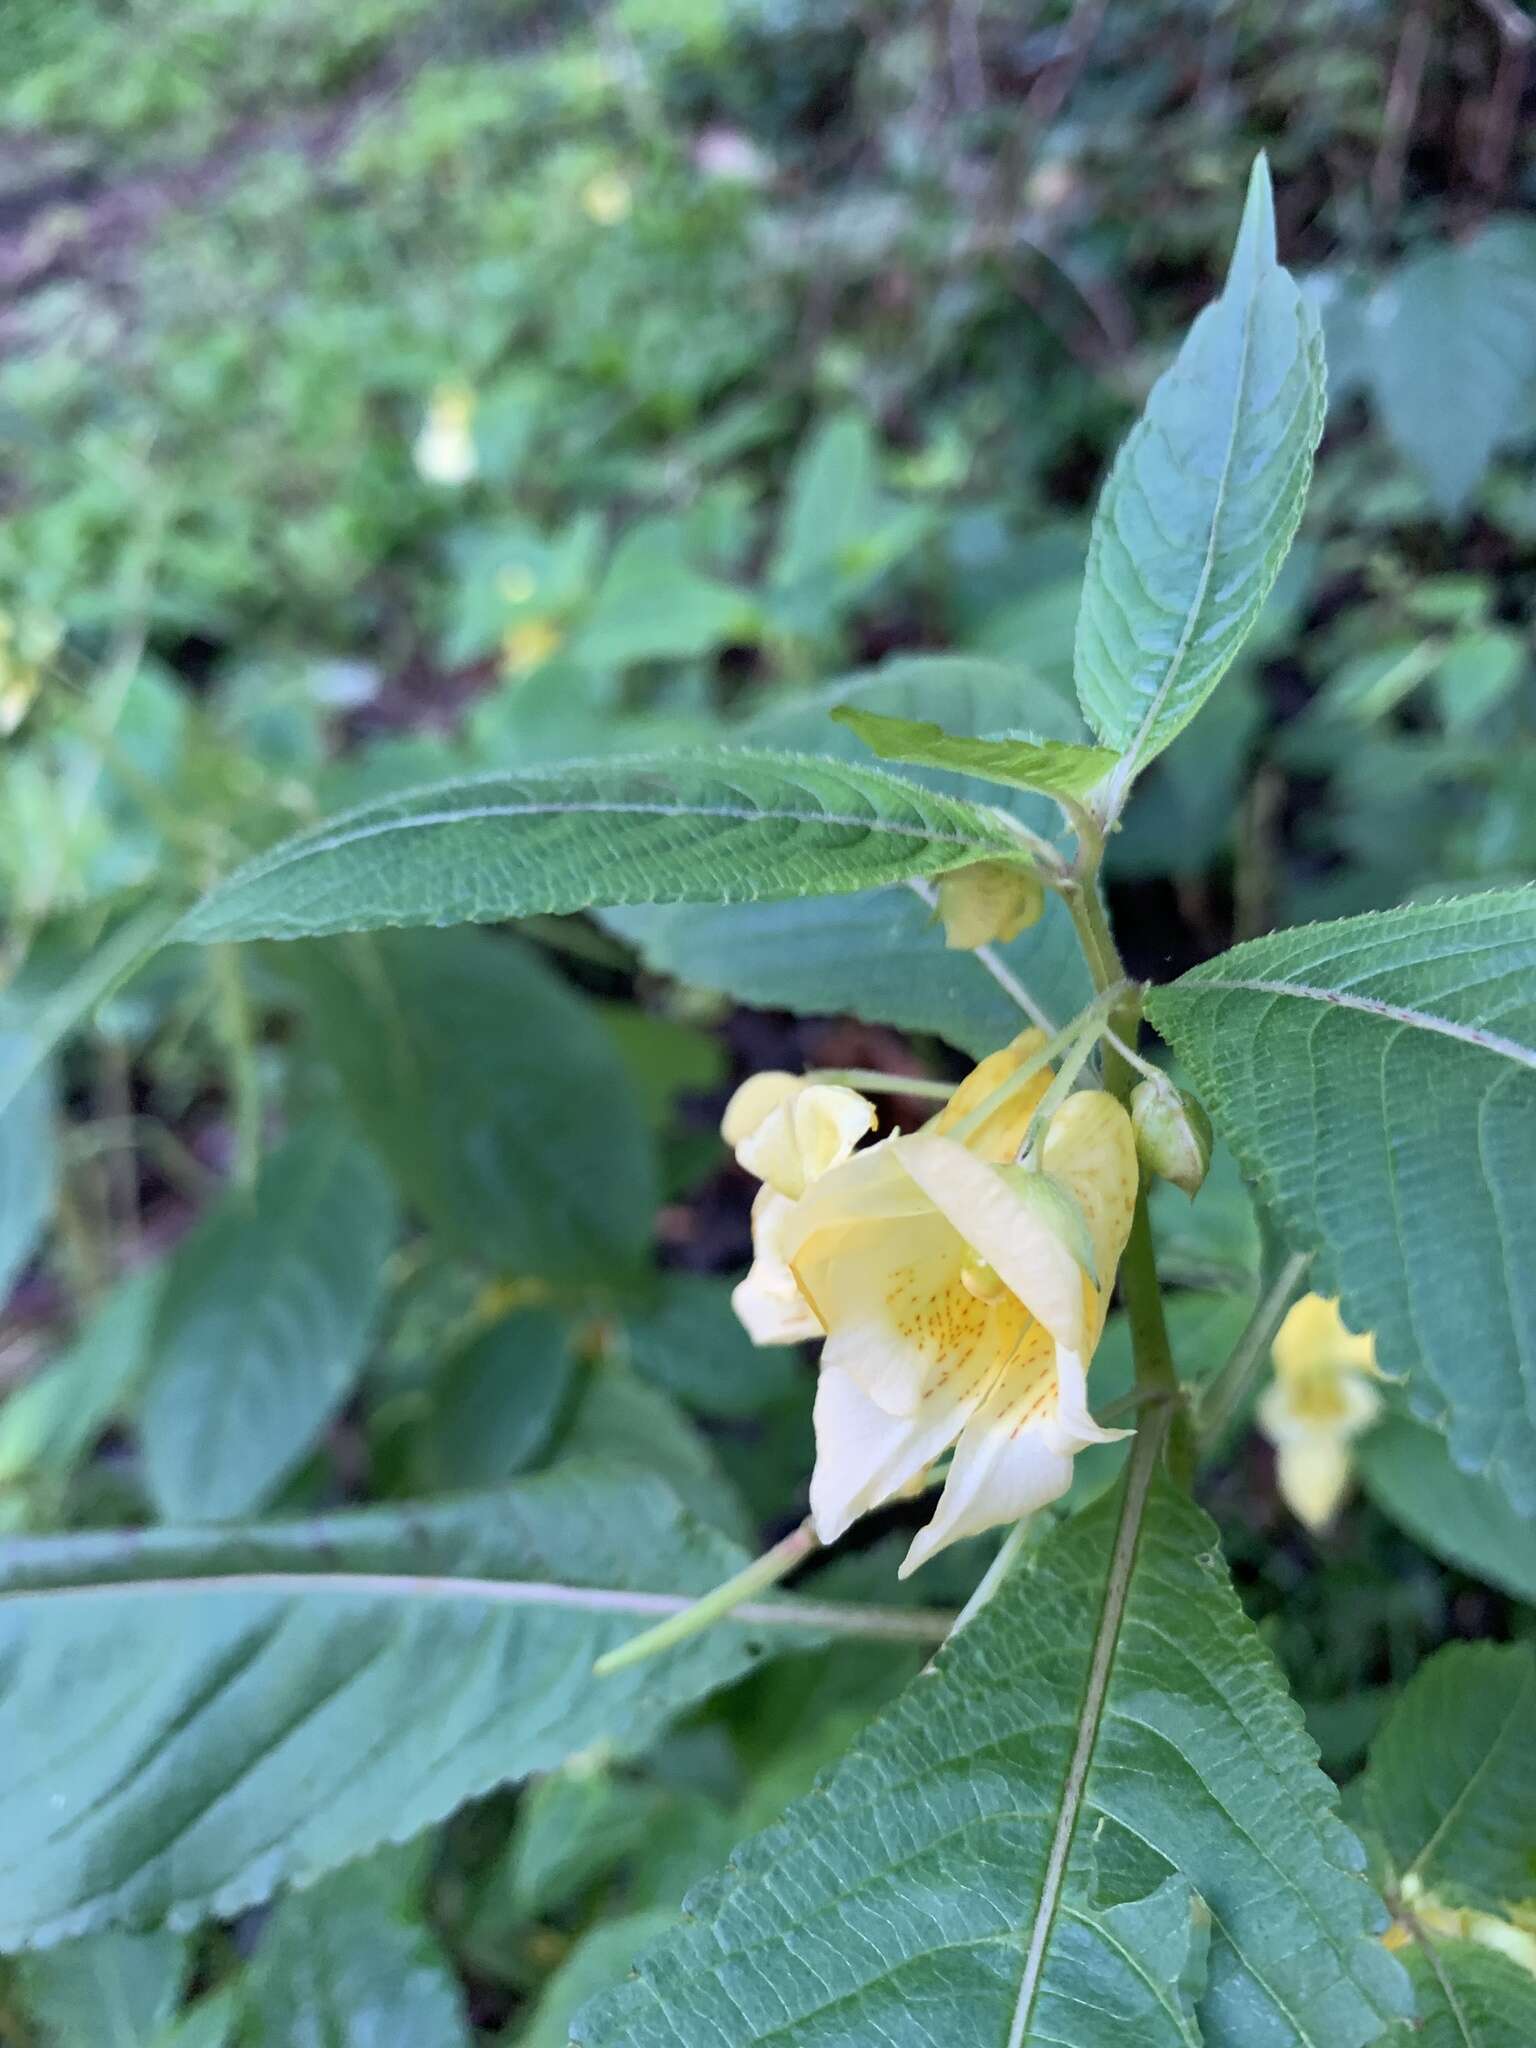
column 1377, row 1078
column 1035, row 1846
column 726, row 826
column 190, row 1719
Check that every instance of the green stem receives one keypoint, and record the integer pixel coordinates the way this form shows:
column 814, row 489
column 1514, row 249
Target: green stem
column 1225, row 1391
column 869, row 1081
column 764, row 1571
column 1157, row 1377
column 1076, row 1039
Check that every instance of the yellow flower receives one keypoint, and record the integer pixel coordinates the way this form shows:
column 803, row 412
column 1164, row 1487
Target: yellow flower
column 528, row 645
column 444, row 451
column 988, row 903
column 607, row 199
column 787, row 1132
column 1512, row 1937
column 1319, row 1401
column 959, row 1311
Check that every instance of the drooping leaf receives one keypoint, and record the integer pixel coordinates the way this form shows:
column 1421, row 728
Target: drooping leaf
column 727, row 826
column 1376, row 1078
column 1468, row 1997
column 1451, row 1787
column 653, row 604
column 107, row 1991
column 1452, row 355
column 493, row 1092
column 342, row 1966
column 1201, row 504
column 880, row 956
column 620, row 1419
column 1095, row 1820
column 263, row 1326
column 236, row 1709
column 1409, row 1473
column 1049, row 767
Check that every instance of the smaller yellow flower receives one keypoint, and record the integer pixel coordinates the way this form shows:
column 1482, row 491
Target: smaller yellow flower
column 786, row 1132
column 528, row 645
column 607, row 199
column 1319, row 1401
column 1512, row 1937
column 444, row 450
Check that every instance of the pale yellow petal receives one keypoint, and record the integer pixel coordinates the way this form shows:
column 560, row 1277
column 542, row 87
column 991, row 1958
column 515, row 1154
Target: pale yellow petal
column 1312, row 1472
column 865, row 1456
column 754, row 1101
column 1032, row 1260
column 1075, row 1428
column 1004, row 1131
column 768, row 1303
column 1314, row 1334
column 804, row 1136
column 1091, row 1148
column 1004, row 1466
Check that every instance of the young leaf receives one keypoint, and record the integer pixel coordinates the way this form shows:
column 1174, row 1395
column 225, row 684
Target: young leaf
column 1451, row 1788
column 263, row 1326
column 1468, row 1997
column 1049, row 767
column 1096, row 1820
column 1201, row 504
column 341, row 1964
column 728, row 826
column 1377, row 1078
column 230, row 1710
column 494, row 1094
column 1408, row 1472
column 1458, row 320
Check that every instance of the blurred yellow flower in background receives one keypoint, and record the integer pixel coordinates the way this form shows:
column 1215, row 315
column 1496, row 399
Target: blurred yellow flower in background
column 1514, row 1937
column 528, row 645
column 961, row 1294
column 444, row 450
column 1321, row 1398
column 607, row 199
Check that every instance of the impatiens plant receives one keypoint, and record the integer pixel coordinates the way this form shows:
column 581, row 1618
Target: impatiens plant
column 1093, row 1816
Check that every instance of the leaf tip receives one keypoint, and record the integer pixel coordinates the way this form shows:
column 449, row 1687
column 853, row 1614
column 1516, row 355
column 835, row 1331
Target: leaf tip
column 1256, row 250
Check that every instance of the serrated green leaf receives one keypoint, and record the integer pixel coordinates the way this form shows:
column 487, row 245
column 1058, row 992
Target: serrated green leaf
column 108, row 1991
column 1010, row 1853
column 727, row 826
column 228, row 1711
column 1202, row 503
column 1468, row 1997
column 494, row 1094
column 1451, row 1787
column 341, row 1966
column 1458, row 321
column 1408, row 1472
column 1376, row 1078
column 263, row 1326
column 1049, row 767
column 879, row 955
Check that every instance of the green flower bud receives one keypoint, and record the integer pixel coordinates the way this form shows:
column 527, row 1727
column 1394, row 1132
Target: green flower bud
column 1173, row 1134
column 988, row 903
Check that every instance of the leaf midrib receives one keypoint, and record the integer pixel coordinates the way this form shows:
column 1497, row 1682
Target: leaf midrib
column 1373, row 1006
column 1131, row 759
column 1475, row 1777
column 1117, row 1585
